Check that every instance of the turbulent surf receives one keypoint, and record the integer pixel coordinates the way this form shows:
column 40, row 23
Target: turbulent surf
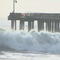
column 33, row 42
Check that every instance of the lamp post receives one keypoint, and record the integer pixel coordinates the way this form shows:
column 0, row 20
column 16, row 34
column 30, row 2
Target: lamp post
column 14, row 1
column 13, row 6
column 13, row 22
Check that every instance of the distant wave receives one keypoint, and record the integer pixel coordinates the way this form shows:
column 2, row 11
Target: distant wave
column 35, row 42
column 1, row 29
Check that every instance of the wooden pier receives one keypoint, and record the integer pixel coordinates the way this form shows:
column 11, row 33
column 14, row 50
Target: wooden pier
column 52, row 21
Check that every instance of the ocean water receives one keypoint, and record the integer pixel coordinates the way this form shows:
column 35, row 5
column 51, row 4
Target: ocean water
column 29, row 45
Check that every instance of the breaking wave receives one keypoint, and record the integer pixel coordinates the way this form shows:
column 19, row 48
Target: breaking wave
column 40, row 42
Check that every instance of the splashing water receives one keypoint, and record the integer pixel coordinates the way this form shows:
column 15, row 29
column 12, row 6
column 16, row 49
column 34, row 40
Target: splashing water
column 35, row 42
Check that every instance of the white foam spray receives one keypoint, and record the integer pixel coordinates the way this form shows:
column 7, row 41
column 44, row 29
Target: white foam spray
column 41, row 42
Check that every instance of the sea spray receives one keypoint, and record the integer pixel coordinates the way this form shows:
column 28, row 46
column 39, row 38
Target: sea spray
column 35, row 42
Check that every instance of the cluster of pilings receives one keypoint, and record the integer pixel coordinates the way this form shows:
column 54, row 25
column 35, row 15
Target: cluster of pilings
column 51, row 26
column 52, row 22
column 21, row 25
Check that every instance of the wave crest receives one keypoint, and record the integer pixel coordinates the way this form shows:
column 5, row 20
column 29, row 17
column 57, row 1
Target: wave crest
column 44, row 42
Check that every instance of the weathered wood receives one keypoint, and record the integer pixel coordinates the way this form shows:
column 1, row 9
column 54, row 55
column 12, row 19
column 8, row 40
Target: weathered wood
column 52, row 21
column 12, row 24
column 29, row 25
column 21, row 25
column 32, row 25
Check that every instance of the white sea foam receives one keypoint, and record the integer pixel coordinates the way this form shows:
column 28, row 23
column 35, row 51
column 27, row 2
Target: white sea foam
column 40, row 42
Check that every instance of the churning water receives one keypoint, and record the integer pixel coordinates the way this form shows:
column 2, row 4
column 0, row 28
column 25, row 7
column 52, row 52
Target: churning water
column 32, row 42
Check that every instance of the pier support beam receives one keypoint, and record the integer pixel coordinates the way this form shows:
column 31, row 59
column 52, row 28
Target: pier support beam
column 32, row 25
column 53, row 26
column 40, row 25
column 21, row 24
column 29, row 25
column 59, row 26
column 56, row 26
column 12, row 24
column 48, row 25
column 15, row 24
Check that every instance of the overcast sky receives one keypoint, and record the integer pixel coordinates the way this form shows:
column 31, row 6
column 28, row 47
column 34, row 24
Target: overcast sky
column 51, row 6
column 29, row 6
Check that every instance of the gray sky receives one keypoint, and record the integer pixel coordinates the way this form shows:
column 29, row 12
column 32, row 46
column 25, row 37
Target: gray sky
column 29, row 6
column 51, row 6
